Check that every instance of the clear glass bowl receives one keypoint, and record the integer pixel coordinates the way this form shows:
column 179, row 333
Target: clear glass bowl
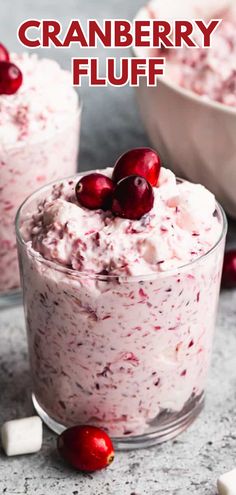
column 23, row 168
column 129, row 354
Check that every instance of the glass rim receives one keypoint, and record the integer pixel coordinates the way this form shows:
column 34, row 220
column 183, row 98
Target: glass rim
column 42, row 139
column 106, row 277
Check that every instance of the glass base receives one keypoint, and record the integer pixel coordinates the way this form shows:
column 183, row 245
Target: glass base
column 11, row 298
column 169, row 425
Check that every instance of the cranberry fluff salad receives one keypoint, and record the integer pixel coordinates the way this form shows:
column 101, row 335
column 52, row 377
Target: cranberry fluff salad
column 121, row 273
column 39, row 113
column 209, row 72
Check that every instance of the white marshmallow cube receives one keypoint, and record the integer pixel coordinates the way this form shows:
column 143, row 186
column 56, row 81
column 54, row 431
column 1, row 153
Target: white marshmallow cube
column 22, row 436
column 226, row 484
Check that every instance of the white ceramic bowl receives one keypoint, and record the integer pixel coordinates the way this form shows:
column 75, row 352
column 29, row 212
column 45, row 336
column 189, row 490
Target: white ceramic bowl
column 195, row 137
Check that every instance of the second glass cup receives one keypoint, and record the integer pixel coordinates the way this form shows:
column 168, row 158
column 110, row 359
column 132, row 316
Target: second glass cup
column 128, row 354
column 23, row 168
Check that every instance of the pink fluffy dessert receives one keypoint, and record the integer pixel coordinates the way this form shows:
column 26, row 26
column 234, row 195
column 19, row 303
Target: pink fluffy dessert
column 209, row 72
column 35, row 124
column 120, row 313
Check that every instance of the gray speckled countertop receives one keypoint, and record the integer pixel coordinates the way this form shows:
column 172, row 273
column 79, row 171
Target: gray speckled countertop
column 188, row 465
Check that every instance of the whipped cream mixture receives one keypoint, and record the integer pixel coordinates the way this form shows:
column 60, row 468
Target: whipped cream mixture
column 42, row 104
column 35, row 124
column 122, row 352
column 180, row 227
column 210, row 72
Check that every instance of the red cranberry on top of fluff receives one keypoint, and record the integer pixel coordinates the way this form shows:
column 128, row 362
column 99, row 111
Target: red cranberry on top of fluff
column 133, row 197
column 10, row 75
column 4, row 54
column 129, row 194
column 94, row 191
column 144, row 162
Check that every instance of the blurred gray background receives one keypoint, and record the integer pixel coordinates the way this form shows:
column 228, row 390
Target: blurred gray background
column 110, row 119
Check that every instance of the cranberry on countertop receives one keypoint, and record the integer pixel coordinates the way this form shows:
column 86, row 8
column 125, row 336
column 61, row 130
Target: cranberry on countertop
column 133, row 197
column 94, row 191
column 4, row 54
column 229, row 270
column 10, row 78
column 86, row 448
column 144, row 162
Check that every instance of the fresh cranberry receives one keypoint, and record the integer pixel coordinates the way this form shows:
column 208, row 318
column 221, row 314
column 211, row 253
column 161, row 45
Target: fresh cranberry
column 10, row 78
column 229, row 270
column 4, row 54
column 95, row 191
column 139, row 161
column 133, row 197
column 86, row 448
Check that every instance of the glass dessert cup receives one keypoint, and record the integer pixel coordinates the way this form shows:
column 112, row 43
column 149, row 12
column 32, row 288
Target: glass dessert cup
column 23, row 168
column 129, row 354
